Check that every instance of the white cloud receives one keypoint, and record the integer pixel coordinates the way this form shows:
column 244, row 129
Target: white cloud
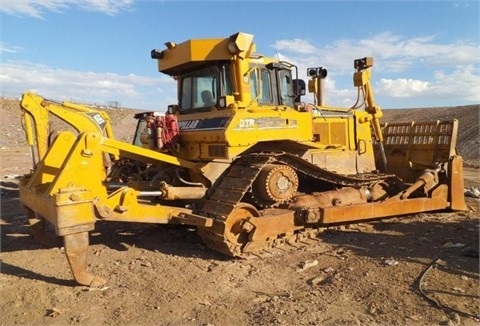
column 36, row 8
column 58, row 84
column 448, row 70
column 415, row 69
column 6, row 48
column 109, row 7
column 296, row 45
column 399, row 52
column 401, row 87
column 461, row 84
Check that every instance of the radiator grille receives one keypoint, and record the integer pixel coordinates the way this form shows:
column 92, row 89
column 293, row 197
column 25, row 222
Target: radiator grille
column 218, row 151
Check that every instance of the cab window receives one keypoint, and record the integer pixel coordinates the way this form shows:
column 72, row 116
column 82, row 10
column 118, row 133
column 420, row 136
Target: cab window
column 199, row 89
column 261, row 86
column 286, row 87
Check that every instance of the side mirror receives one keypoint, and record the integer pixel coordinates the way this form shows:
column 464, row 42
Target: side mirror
column 299, row 89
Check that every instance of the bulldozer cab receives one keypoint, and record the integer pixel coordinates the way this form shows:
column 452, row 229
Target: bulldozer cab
column 212, row 87
column 225, row 74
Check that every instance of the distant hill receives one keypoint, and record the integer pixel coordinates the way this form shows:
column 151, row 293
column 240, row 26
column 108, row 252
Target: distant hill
column 124, row 124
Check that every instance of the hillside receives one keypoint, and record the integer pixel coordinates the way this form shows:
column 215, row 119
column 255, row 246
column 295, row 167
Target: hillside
column 124, row 125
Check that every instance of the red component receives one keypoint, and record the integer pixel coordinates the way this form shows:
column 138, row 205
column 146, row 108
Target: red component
column 167, row 131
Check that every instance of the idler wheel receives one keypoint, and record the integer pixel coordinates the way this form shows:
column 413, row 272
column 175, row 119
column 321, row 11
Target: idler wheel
column 234, row 230
column 275, row 184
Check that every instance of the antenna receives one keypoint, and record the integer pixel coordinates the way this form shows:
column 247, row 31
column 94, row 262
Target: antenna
column 278, row 57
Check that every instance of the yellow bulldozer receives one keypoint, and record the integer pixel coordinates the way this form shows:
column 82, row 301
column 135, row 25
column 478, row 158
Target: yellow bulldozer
column 240, row 157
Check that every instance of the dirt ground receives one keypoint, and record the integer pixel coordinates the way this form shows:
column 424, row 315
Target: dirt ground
column 411, row 270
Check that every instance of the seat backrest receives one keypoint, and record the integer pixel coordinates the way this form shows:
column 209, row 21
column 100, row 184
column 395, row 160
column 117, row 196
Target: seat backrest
column 207, row 98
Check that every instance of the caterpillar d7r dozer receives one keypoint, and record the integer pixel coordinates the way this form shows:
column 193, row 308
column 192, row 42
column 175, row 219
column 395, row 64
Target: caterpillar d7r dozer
column 240, row 157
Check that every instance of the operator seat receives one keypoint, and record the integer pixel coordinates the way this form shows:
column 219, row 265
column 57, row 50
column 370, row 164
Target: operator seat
column 207, row 98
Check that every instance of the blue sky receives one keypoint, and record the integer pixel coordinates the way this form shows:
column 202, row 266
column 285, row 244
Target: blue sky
column 426, row 52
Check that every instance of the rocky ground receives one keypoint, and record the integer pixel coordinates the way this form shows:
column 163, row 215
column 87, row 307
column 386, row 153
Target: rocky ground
column 412, row 270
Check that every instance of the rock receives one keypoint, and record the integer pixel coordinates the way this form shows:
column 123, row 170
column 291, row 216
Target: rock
column 328, row 270
column 307, row 264
column 317, row 280
column 54, row 312
column 472, row 192
column 391, row 262
column 453, row 245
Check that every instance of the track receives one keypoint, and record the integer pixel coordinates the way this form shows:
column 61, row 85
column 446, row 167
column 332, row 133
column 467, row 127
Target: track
column 240, row 228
